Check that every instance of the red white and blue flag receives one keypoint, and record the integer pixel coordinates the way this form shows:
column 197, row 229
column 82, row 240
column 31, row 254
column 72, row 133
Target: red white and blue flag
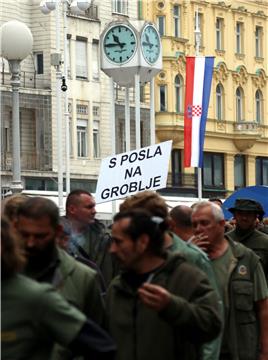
column 199, row 72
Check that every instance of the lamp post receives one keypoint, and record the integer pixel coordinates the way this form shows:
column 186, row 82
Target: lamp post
column 16, row 44
column 46, row 6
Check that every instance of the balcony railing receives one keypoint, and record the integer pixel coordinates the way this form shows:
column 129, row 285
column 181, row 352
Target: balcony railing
column 247, row 127
column 28, row 79
column 91, row 13
column 29, row 161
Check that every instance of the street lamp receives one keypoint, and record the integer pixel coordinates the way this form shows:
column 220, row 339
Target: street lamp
column 46, row 6
column 16, row 43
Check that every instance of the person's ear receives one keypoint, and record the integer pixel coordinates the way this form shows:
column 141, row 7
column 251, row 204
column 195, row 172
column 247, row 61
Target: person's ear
column 143, row 243
column 71, row 209
column 171, row 223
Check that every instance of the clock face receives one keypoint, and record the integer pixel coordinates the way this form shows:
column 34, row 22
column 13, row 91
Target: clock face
column 150, row 44
column 120, row 44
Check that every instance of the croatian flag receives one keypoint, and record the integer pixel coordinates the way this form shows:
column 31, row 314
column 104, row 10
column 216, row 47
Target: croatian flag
column 199, row 72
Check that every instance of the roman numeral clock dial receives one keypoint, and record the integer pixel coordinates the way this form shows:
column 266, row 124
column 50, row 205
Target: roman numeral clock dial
column 150, row 44
column 120, row 44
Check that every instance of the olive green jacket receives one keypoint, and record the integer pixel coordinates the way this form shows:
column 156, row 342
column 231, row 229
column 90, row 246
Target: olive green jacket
column 241, row 326
column 79, row 285
column 256, row 241
column 96, row 248
column 33, row 316
column 197, row 257
column 175, row 333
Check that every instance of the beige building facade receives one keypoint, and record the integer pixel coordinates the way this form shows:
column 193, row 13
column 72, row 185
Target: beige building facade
column 236, row 142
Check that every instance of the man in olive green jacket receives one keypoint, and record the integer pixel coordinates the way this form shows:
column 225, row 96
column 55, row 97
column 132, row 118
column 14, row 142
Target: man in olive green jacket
column 246, row 212
column 89, row 238
column 38, row 226
column 160, row 307
column 242, row 285
column 34, row 316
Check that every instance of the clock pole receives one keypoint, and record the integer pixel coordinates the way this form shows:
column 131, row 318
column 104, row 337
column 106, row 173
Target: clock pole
column 152, row 113
column 127, row 120
column 137, row 111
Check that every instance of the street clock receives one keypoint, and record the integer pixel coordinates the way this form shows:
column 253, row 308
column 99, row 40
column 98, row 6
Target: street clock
column 150, row 44
column 129, row 48
column 120, row 44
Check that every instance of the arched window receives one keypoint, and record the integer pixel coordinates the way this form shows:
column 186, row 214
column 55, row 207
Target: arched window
column 219, row 102
column 239, row 104
column 178, row 93
column 258, row 106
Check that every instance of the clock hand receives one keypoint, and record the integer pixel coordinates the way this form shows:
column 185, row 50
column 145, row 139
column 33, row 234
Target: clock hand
column 148, row 41
column 112, row 45
column 147, row 44
column 116, row 39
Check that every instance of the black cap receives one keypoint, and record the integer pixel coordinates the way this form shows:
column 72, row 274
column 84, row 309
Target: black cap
column 247, row 205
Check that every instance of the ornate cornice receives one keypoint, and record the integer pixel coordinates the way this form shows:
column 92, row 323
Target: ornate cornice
column 240, row 75
column 259, row 78
column 221, row 72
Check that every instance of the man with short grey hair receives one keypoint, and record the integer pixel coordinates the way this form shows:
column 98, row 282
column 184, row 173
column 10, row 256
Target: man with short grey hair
column 242, row 285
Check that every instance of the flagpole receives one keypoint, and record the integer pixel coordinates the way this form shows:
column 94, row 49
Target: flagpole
column 197, row 48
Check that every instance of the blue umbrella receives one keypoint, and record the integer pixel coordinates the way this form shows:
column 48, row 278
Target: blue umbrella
column 258, row 193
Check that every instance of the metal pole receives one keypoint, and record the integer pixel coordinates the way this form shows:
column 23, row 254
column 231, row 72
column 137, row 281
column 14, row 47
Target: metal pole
column 113, row 131
column 197, row 48
column 16, row 185
column 127, row 120
column 137, row 111
column 152, row 113
column 59, row 113
column 66, row 112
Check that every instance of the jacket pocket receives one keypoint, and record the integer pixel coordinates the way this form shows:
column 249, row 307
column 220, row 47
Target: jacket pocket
column 244, row 302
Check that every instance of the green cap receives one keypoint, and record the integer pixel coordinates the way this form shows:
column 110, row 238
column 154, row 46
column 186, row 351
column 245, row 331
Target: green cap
column 247, row 205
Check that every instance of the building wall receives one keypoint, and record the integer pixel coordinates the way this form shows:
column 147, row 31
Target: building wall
column 90, row 91
column 231, row 70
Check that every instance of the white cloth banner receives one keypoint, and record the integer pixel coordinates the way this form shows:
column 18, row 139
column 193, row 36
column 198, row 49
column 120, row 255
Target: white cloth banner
column 133, row 171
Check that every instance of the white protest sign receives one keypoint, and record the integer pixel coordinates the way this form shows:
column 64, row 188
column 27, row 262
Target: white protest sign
column 133, row 171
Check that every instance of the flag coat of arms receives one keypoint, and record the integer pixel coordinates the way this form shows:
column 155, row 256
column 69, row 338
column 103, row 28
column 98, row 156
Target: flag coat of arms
column 199, row 72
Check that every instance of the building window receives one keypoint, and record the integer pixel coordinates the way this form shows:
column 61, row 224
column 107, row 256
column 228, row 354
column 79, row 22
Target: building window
column 219, row 34
column 70, row 111
column 96, row 131
column 178, row 93
column 176, row 167
column 239, row 38
column 239, row 171
column 161, row 25
column 95, row 60
column 262, row 171
column 219, row 102
column 177, row 20
column 68, row 57
column 6, row 136
column 200, row 27
column 120, row 6
column 81, row 59
column 82, row 109
column 258, row 41
column 163, row 97
column 258, row 106
column 39, row 62
column 82, row 126
column 239, row 104
column 213, row 174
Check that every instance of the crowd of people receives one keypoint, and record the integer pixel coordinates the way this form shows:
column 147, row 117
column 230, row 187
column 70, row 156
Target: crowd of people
column 159, row 283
